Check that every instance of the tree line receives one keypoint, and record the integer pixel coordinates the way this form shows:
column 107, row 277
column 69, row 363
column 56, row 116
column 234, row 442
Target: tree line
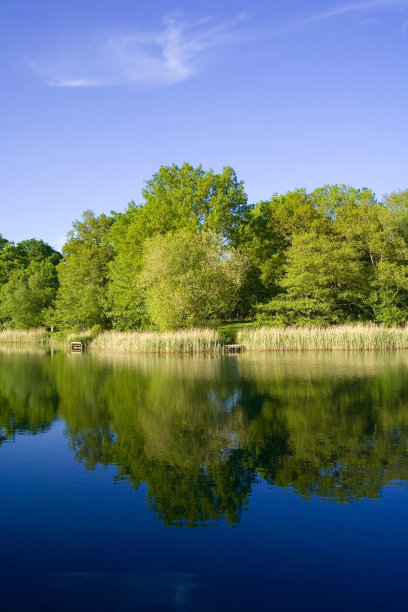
column 195, row 252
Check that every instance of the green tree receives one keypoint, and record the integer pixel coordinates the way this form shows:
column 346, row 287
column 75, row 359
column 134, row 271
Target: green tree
column 397, row 203
column 193, row 198
column 10, row 260
column 333, row 256
column 28, row 282
column 26, row 300
column 268, row 233
column 37, row 250
column 324, row 283
column 190, row 279
column 378, row 234
column 125, row 296
column 174, row 198
column 81, row 300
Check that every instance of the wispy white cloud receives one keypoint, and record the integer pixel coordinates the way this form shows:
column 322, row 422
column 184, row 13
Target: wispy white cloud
column 162, row 57
column 357, row 7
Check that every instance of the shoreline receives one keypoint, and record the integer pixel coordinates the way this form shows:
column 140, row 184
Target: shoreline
column 210, row 341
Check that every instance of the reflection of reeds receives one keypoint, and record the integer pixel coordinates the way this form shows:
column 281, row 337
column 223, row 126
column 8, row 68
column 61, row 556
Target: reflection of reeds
column 22, row 336
column 340, row 337
column 185, row 341
column 24, row 349
column 320, row 365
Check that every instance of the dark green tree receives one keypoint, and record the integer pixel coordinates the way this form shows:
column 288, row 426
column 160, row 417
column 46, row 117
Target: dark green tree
column 28, row 282
column 27, row 300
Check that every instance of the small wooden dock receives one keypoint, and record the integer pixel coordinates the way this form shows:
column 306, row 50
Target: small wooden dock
column 76, row 347
column 234, row 348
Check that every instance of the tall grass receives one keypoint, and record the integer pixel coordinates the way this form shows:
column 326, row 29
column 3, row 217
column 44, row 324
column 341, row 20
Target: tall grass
column 185, row 341
column 24, row 336
column 339, row 337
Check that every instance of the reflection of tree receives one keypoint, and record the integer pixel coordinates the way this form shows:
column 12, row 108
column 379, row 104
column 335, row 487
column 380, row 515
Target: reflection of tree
column 347, row 433
column 28, row 399
column 198, row 431
column 165, row 425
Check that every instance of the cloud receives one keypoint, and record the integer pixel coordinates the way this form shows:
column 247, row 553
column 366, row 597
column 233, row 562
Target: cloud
column 355, row 7
column 157, row 58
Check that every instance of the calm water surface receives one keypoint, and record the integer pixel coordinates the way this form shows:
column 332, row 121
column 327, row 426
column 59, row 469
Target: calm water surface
column 241, row 482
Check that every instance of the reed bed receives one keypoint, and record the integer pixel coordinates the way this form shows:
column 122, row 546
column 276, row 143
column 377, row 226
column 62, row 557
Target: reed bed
column 184, row 341
column 339, row 337
column 24, row 336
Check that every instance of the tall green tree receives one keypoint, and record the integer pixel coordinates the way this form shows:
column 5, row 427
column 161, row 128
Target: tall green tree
column 268, row 233
column 174, row 198
column 81, row 300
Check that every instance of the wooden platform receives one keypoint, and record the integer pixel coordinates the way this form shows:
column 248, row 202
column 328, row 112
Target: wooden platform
column 234, row 348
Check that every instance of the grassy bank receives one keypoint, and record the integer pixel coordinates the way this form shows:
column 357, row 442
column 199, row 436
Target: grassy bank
column 185, row 341
column 339, row 337
column 229, row 331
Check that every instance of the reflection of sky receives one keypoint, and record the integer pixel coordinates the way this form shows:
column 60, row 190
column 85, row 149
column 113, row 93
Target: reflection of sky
column 76, row 541
column 226, row 404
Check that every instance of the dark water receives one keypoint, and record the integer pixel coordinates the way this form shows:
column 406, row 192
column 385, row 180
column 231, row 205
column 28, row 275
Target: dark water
column 253, row 482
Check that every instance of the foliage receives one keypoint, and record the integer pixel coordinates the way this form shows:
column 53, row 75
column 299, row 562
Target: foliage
column 193, row 198
column 83, row 274
column 324, row 283
column 194, row 253
column 175, row 198
column 14, row 257
column 28, row 283
column 191, row 279
column 350, row 264
column 27, row 298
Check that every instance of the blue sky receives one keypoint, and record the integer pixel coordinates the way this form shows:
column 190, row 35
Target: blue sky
column 97, row 95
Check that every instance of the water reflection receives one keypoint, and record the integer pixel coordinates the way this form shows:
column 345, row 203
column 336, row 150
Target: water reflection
column 200, row 431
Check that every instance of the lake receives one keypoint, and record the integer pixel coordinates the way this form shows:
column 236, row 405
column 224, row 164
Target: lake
column 237, row 482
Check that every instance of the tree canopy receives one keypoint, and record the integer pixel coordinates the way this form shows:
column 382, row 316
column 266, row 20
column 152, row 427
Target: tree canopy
column 194, row 252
